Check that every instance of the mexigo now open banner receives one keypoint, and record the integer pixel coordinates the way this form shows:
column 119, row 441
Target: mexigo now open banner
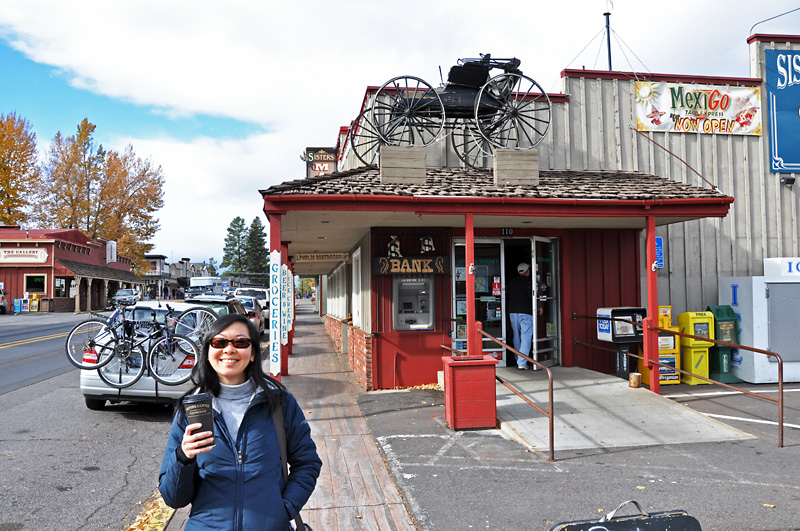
column 691, row 108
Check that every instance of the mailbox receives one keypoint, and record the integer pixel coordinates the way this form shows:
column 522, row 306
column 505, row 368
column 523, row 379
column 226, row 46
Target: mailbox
column 626, row 335
column 413, row 303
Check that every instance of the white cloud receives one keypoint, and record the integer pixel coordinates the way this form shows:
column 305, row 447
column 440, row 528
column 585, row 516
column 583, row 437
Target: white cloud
column 299, row 70
column 209, row 182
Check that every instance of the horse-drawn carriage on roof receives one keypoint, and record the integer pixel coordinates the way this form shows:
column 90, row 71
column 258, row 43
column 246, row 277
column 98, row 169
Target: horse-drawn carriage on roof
column 481, row 113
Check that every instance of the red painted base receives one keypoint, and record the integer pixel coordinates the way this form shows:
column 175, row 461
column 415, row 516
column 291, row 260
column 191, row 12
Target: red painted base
column 469, row 392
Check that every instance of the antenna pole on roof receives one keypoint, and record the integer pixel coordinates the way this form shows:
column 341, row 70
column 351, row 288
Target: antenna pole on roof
column 609, row 5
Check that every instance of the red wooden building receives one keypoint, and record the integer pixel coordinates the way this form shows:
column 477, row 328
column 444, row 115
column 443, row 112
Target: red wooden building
column 392, row 255
column 69, row 270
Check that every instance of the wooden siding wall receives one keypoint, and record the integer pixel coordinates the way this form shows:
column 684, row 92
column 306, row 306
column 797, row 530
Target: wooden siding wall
column 594, row 130
column 602, row 269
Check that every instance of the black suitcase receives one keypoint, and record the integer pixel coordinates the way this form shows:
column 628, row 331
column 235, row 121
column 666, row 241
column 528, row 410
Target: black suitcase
column 677, row 520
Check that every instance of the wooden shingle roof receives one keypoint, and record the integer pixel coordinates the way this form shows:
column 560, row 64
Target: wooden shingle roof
column 451, row 182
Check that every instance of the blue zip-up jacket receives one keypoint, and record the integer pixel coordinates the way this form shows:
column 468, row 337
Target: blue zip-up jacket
column 240, row 486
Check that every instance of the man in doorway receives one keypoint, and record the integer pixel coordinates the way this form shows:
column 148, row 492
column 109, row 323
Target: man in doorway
column 519, row 294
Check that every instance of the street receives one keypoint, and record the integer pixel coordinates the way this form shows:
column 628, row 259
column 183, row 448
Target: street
column 62, row 466
column 65, row 467
column 32, row 354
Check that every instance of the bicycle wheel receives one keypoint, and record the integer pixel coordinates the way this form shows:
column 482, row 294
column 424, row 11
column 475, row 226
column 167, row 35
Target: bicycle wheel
column 126, row 365
column 194, row 323
column 171, row 359
column 90, row 344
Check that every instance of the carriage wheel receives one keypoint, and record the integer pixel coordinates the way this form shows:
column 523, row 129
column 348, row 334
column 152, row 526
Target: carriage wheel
column 472, row 148
column 364, row 139
column 408, row 112
column 512, row 111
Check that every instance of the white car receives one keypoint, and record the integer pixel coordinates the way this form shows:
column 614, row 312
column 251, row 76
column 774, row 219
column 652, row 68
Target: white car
column 262, row 294
column 96, row 392
column 255, row 313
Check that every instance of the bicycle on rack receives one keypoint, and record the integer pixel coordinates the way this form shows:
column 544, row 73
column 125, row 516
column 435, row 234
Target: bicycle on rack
column 115, row 346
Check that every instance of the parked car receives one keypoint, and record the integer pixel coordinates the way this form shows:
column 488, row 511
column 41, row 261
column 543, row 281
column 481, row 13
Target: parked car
column 221, row 304
column 262, row 294
column 96, row 392
column 125, row 297
column 254, row 311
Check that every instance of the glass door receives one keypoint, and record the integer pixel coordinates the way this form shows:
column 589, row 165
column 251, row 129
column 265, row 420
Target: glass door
column 546, row 325
column 488, row 294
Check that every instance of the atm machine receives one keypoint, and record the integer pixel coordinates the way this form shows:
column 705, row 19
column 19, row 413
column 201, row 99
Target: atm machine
column 413, row 303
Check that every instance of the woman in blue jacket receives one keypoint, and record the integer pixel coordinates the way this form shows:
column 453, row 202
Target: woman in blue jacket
column 234, row 480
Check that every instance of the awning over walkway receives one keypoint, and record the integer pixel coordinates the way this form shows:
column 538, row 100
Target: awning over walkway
column 330, row 213
column 105, row 273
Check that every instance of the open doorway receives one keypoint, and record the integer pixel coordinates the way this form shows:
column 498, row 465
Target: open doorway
column 540, row 255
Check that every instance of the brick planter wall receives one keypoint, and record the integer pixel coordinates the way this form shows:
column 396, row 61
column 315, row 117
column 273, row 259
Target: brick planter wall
column 359, row 354
column 359, row 349
column 333, row 327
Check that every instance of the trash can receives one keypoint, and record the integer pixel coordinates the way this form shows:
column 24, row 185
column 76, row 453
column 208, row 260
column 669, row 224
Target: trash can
column 45, row 305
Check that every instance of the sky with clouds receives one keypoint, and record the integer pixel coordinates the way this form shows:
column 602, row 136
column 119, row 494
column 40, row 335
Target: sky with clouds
column 225, row 96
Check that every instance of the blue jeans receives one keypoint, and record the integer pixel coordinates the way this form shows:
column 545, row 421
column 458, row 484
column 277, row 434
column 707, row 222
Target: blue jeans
column 522, row 329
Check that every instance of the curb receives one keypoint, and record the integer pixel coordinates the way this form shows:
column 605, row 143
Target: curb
column 160, row 519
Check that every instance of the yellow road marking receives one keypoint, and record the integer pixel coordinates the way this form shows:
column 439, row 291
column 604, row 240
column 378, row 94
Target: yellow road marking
column 33, row 340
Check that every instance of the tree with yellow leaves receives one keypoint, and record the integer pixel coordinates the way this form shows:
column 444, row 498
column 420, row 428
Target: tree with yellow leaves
column 103, row 193
column 19, row 168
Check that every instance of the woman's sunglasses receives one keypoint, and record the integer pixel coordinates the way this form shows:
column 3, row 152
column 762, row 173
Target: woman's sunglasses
column 222, row 342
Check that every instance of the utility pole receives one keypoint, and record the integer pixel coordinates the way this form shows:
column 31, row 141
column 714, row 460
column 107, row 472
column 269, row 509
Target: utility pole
column 607, row 14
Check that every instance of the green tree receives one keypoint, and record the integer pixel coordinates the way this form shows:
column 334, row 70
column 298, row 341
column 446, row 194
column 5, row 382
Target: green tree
column 234, row 257
column 19, row 168
column 212, row 267
column 256, row 253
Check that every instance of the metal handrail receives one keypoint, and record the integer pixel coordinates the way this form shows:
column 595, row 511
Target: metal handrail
column 549, row 413
column 779, row 400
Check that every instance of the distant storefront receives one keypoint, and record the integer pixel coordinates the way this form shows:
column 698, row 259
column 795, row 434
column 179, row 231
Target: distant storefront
column 61, row 269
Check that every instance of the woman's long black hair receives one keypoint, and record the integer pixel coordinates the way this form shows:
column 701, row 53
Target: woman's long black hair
column 206, row 379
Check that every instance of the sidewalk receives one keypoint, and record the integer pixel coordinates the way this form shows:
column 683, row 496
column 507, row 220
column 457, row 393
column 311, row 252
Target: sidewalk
column 388, row 455
column 355, row 489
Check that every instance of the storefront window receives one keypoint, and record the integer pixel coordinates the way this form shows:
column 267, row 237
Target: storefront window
column 35, row 283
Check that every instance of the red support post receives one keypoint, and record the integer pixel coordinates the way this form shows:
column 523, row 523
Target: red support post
column 651, row 336
column 473, row 347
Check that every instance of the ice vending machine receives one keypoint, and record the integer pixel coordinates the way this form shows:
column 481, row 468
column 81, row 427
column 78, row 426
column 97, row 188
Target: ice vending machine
column 627, row 336
column 767, row 308
column 413, row 303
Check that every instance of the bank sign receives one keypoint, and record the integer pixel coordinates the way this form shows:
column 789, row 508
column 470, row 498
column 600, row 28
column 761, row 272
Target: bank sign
column 692, row 108
column 783, row 95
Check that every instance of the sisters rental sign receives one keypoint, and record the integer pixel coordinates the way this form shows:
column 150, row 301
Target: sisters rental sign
column 691, row 108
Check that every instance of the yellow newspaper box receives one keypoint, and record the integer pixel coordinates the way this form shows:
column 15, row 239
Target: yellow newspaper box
column 669, row 352
column 694, row 355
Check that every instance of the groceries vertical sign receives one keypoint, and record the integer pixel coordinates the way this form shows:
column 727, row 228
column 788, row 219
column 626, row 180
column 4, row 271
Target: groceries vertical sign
column 783, row 95
column 275, row 321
